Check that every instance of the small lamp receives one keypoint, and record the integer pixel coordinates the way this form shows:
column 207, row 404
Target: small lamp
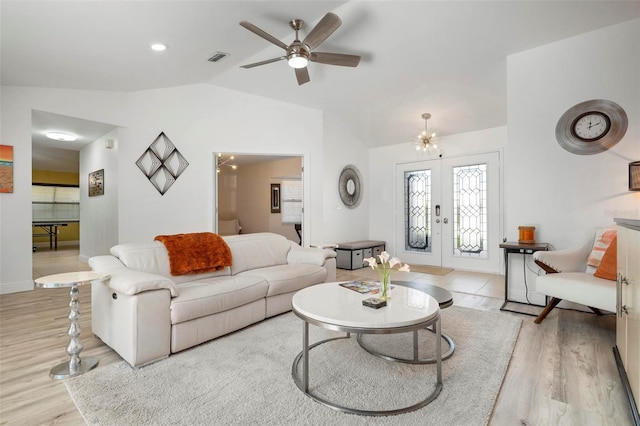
column 634, row 176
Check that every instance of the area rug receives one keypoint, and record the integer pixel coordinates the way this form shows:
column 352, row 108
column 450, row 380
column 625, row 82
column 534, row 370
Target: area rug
column 433, row 270
column 245, row 378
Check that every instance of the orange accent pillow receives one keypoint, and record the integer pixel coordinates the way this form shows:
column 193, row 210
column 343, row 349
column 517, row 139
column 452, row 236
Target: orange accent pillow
column 603, row 240
column 608, row 268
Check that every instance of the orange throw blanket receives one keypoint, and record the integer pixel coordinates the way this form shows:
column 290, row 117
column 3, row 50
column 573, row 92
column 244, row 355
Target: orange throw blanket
column 196, row 253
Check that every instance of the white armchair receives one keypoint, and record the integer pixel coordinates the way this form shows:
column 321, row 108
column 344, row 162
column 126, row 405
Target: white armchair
column 569, row 278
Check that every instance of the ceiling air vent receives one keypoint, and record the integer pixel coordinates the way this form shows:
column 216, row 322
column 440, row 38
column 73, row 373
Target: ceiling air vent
column 218, row 56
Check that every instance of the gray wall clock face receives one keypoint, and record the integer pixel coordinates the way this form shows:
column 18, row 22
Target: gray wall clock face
column 350, row 186
column 591, row 127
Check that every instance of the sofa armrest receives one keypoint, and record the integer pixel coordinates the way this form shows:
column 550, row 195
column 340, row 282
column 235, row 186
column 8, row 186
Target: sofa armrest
column 129, row 281
column 570, row 260
column 314, row 256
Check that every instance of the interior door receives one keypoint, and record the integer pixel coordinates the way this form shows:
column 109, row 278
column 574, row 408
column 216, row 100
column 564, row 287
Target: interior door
column 449, row 212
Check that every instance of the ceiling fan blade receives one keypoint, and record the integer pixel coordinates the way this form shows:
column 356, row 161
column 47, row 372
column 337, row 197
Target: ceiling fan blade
column 335, row 59
column 268, row 61
column 302, row 74
column 265, row 35
column 327, row 25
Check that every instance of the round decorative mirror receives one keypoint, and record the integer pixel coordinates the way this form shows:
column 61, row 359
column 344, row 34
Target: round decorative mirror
column 350, row 186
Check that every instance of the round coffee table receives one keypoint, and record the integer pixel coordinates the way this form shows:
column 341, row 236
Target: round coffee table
column 444, row 299
column 334, row 307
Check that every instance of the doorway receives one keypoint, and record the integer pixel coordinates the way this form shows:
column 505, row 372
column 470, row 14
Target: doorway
column 448, row 212
column 259, row 193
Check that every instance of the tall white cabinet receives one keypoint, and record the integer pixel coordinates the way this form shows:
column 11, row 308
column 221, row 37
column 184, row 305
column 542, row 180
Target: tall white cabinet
column 628, row 310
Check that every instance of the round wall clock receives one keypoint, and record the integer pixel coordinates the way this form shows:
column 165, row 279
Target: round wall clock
column 591, row 127
column 350, row 186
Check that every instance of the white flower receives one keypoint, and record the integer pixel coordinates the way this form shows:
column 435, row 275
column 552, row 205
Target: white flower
column 372, row 262
column 387, row 263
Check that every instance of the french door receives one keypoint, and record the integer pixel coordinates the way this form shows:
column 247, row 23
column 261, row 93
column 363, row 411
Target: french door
column 448, row 212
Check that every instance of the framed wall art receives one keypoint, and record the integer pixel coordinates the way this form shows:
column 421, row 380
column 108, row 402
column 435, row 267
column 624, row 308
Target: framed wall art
column 96, row 183
column 162, row 163
column 6, row 168
column 275, row 198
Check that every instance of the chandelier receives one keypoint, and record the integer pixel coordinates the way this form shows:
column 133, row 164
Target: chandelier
column 222, row 161
column 424, row 143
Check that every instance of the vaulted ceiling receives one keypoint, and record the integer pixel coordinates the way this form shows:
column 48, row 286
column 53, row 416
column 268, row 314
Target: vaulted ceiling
column 447, row 58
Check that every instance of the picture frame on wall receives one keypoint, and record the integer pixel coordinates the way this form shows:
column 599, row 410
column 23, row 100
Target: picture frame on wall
column 275, row 198
column 96, row 183
column 6, row 168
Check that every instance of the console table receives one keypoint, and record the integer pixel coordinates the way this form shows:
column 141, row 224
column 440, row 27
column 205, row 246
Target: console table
column 352, row 255
column 524, row 249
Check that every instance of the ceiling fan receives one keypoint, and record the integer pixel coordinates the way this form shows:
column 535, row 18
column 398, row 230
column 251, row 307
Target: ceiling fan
column 299, row 53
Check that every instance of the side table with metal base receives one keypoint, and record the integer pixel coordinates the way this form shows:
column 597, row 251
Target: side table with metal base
column 76, row 366
column 524, row 249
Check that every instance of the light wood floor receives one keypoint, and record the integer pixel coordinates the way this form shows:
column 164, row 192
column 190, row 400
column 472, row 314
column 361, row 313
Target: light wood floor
column 562, row 371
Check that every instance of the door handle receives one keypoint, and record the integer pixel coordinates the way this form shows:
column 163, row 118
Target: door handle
column 445, row 220
column 437, row 209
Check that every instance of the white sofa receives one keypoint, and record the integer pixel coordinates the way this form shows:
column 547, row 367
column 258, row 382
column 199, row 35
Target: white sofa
column 144, row 313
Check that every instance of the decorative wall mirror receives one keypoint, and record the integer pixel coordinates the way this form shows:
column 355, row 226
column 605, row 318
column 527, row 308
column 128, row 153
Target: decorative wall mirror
column 350, row 186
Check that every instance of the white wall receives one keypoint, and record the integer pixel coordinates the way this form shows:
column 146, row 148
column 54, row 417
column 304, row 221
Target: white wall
column 381, row 188
column 99, row 214
column 565, row 196
column 202, row 120
column 343, row 147
column 15, row 209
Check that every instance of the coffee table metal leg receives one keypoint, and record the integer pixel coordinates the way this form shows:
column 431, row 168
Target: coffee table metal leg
column 305, row 357
column 303, row 384
column 439, row 349
column 416, row 358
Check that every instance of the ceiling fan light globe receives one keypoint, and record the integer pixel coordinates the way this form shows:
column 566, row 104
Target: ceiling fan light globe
column 59, row 136
column 297, row 61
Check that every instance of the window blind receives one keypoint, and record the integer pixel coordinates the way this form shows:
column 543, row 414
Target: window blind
column 291, row 201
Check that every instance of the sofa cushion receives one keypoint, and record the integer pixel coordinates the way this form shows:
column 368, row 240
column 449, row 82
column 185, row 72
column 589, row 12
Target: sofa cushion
column 287, row 278
column 579, row 287
column 254, row 251
column 213, row 295
column 152, row 257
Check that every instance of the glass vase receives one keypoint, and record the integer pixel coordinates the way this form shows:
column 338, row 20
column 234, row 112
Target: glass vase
column 384, row 286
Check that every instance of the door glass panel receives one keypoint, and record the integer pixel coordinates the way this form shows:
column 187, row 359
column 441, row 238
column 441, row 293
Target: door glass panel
column 417, row 210
column 470, row 210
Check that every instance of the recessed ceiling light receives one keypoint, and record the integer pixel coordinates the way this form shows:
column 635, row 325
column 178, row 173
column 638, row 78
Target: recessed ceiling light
column 59, row 136
column 159, row 47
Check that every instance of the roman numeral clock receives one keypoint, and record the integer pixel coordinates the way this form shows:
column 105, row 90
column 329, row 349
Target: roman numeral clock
column 591, row 127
